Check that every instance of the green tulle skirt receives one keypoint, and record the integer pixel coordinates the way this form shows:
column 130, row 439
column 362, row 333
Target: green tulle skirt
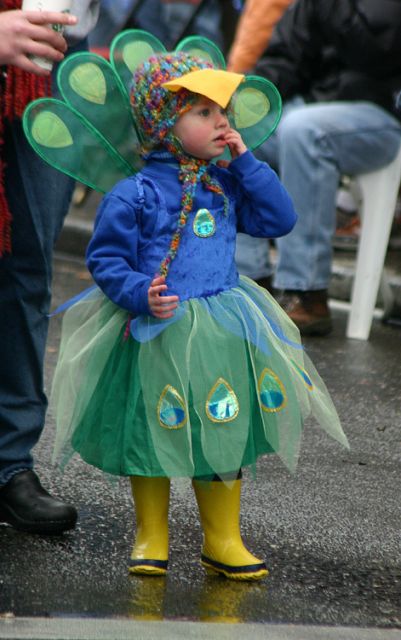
column 208, row 392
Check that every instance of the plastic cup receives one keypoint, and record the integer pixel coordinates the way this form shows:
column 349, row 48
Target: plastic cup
column 61, row 6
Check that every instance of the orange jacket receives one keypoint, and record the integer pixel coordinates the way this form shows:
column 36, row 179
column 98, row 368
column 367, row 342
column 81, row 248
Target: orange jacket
column 253, row 32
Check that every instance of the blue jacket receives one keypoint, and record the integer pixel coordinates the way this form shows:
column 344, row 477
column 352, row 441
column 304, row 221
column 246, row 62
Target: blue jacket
column 133, row 233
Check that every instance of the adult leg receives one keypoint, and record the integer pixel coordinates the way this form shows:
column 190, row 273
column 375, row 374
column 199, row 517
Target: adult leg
column 206, row 23
column 317, row 144
column 145, row 18
column 38, row 197
column 252, row 258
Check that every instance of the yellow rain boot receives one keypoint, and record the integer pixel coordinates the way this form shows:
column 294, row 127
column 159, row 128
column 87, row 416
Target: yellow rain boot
column 223, row 550
column 151, row 498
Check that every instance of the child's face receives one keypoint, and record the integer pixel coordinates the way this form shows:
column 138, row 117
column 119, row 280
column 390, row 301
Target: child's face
column 202, row 129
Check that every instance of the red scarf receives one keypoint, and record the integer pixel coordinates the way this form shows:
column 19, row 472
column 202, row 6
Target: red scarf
column 18, row 90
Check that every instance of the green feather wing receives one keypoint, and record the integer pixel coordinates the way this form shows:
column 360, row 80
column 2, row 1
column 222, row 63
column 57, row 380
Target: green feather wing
column 68, row 142
column 255, row 110
column 95, row 119
column 203, row 48
column 129, row 49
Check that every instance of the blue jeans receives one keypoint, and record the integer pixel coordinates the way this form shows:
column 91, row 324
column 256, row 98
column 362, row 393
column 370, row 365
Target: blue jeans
column 312, row 147
column 207, row 23
column 171, row 20
column 39, row 198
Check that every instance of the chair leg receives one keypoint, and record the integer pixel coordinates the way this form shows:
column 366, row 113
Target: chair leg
column 379, row 192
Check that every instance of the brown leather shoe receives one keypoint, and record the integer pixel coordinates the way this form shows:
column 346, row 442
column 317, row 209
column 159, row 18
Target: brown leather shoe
column 308, row 310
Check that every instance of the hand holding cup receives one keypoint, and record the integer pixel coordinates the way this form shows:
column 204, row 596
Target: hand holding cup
column 32, row 38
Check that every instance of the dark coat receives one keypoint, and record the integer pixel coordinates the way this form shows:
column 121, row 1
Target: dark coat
column 328, row 50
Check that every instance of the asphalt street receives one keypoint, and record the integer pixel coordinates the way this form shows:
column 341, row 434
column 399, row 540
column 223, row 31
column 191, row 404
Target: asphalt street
column 330, row 534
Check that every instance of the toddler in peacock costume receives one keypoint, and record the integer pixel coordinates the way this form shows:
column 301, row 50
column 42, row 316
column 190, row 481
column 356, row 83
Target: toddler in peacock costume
column 173, row 365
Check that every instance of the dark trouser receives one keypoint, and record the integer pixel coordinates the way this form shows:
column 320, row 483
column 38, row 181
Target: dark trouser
column 39, row 198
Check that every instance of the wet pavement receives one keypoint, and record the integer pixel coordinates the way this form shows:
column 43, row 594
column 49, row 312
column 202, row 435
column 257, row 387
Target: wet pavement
column 330, row 534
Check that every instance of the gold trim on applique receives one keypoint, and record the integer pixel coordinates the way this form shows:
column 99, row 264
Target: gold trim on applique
column 171, row 408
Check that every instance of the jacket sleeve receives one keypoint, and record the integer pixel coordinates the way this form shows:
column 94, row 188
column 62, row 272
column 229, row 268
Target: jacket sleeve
column 264, row 208
column 112, row 253
column 294, row 51
column 253, row 32
column 87, row 12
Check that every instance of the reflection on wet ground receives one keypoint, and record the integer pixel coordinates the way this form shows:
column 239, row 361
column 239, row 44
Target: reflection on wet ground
column 85, row 574
column 330, row 534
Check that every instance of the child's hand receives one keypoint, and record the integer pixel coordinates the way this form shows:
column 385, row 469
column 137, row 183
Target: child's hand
column 235, row 143
column 161, row 306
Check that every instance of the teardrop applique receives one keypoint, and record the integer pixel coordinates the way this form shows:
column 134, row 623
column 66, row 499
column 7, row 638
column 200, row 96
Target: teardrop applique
column 134, row 53
column 222, row 403
column 171, row 409
column 204, row 224
column 271, row 392
column 88, row 81
column 49, row 130
column 303, row 374
column 250, row 107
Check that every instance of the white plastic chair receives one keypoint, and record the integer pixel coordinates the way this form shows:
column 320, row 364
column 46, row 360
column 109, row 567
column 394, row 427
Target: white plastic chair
column 379, row 190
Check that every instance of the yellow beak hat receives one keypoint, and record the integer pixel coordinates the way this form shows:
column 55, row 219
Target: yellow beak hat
column 216, row 84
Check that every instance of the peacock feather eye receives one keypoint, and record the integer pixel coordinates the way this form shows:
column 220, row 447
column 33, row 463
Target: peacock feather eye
column 222, row 403
column 272, row 393
column 303, row 375
column 171, row 409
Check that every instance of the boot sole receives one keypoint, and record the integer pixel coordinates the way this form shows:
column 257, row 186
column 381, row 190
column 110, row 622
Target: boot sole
column 148, row 567
column 241, row 573
column 55, row 527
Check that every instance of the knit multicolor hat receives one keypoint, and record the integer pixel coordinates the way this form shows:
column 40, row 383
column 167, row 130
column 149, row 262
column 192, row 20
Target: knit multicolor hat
column 155, row 108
